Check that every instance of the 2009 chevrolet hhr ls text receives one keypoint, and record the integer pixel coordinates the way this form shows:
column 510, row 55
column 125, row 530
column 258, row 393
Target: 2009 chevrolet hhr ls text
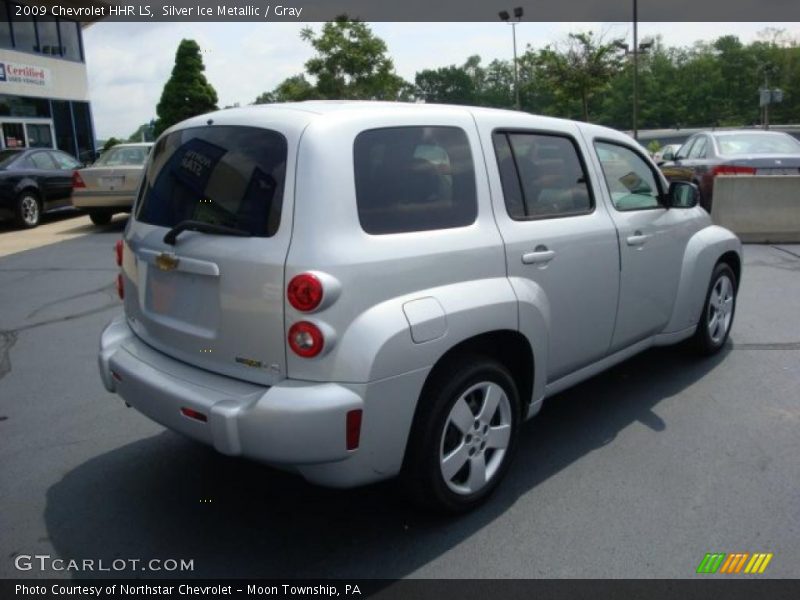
column 356, row 291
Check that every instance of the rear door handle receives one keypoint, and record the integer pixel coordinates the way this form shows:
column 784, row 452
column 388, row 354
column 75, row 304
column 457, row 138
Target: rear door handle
column 539, row 256
column 637, row 239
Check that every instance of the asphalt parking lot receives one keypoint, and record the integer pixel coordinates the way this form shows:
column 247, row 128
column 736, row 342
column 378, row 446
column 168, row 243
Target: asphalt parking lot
column 636, row 473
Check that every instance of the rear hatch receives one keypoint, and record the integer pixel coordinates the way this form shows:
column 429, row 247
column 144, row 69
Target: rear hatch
column 213, row 297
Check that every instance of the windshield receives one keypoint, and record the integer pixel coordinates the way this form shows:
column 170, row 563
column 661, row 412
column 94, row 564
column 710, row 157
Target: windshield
column 757, row 143
column 229, row 176
column 122, row 156
column 7, row 157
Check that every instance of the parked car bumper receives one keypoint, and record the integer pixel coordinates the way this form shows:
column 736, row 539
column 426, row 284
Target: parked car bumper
column 295, row 425
column 89, row 200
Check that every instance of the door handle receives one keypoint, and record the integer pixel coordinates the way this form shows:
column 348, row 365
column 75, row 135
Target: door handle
column 541, row 255
column 637, row 239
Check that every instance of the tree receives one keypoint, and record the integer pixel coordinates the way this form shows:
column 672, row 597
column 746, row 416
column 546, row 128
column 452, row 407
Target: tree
column 143, row 133
column 292, row 89
column 448, row 85
column 110, row 143
column 579, row 69
column 352, row 63
column 187, row 93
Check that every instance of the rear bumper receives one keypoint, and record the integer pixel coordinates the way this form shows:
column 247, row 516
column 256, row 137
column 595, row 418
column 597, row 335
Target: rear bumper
column 294, row 424
column 89, row 200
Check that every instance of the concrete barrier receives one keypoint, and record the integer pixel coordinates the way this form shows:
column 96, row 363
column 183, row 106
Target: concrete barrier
column 761, row 208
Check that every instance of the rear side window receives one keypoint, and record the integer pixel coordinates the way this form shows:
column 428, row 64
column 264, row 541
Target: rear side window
column 414, row 179
column 224, row 175
column 542, row 176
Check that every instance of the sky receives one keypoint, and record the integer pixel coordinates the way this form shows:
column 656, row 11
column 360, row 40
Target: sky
column 128, row 63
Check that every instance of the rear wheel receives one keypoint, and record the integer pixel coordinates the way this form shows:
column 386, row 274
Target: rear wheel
column 464, row 435
column 28, row 210
column 100, row 217
column 718, row 311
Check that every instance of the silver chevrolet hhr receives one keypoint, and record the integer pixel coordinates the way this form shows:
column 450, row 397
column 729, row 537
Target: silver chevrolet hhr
column 356, row 291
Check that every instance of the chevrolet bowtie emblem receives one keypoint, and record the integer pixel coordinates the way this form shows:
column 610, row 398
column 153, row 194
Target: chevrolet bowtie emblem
column 167, row 262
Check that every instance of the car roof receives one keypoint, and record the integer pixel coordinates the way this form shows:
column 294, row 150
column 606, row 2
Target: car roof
column 293, row 117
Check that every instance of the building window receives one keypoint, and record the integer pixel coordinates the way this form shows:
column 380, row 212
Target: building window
column 48, row 36
column 65, row 133
column 44, row 34
column 5, row 26
column 70, row 39
column 20, row 106
column 39, row 135
column 83, row 129
column 24, row 33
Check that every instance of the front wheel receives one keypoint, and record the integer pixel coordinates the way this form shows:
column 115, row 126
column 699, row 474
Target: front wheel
column 28, row 210
column 464, row 435
column 718, row 311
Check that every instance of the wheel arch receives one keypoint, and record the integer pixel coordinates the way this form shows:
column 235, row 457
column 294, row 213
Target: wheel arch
column 707, row 248
column 511, row 348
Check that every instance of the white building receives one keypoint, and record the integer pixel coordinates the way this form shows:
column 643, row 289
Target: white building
column 44, row 92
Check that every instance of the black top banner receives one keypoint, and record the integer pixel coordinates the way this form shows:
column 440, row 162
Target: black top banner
column 413, row 10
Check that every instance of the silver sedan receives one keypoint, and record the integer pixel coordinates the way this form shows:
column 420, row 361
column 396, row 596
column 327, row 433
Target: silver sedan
column 109, row 185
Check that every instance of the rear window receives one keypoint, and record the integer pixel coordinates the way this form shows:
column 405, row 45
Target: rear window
column 123, row 156
column 223, row 175
column 757, row 143
column 414, row 179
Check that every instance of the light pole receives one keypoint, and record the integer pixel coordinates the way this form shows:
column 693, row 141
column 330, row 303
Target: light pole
column 504, row 16
column 637, row 50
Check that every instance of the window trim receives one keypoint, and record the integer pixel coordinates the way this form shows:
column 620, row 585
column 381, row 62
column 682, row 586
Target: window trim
column 506, row 131
column 662, row 195
column 473, row 157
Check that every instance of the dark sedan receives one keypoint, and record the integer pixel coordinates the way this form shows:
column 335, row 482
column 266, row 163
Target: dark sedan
column 34, row 181
column 710, row 153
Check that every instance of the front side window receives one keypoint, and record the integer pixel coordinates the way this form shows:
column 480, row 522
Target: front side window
column 414, row 179
column 542, row 175
column 684, row 150
column 42, row 160
column 223, row 175
column 630, row 180
column 699, row 148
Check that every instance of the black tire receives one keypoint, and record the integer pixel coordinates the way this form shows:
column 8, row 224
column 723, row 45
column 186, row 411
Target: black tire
column 27, row 210
column 100, row 217
column 705, row 342
column 422, row 476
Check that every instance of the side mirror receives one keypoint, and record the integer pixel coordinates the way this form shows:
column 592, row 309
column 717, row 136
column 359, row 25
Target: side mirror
column 667, row 156
column 682, row 194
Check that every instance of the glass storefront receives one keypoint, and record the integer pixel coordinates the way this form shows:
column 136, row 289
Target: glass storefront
column 43, row 123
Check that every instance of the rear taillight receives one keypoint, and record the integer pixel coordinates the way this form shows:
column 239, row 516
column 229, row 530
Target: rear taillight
column 306, row 339
column 77, row 180
column 353, row 434
column 305, row 292
column 120, row 287
column 732, row 170
column 118, row 252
